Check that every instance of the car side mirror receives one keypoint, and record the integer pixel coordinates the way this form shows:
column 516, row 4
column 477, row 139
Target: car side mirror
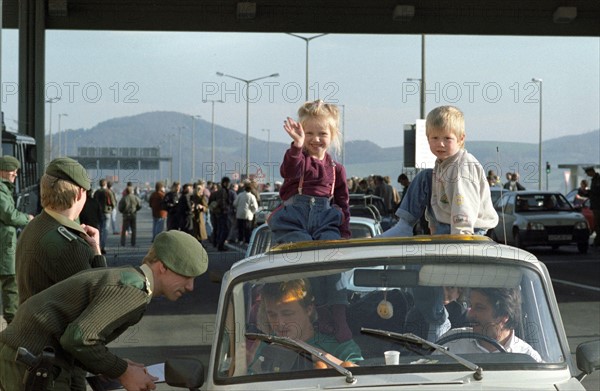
column 184, row 372
column 588, row 357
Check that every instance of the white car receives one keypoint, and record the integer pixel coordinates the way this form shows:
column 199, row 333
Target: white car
column 360, row 227
column 269, row 201
column 539, row 218
column 383, row 285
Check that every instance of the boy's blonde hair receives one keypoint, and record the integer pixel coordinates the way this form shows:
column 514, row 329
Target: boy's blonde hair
column 447, row 119
column 328, row 113
column 57, row 193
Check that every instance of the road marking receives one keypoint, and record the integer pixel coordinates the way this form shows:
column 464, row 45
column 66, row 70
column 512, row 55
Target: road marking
column 564, row 282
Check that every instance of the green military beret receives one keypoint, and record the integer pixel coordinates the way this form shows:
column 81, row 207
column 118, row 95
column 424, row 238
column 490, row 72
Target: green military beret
column 181, row 253
column 9, row 163
column 69, row 170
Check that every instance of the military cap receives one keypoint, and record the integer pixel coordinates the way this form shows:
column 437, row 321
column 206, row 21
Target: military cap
column 69, row 170
column 9, row 163
column 181, row 253
column 590, row 168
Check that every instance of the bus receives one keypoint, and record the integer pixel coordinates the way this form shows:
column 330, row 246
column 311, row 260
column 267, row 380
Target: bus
column 23, row 148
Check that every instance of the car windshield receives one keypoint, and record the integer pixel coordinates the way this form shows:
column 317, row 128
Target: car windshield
column 542, row 203
column 447, row 302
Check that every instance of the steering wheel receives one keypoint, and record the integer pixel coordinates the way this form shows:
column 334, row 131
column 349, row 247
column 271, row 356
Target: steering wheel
column 467, row 335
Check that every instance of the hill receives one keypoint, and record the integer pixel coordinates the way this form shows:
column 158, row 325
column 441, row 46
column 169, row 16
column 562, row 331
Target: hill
column 161, row 129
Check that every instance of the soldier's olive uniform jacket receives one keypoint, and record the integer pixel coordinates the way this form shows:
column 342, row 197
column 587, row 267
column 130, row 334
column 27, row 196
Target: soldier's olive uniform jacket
column 79, row 316
column 49, row 250
column 10, row 219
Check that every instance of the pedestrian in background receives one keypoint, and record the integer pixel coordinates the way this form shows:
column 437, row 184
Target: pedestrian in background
column 10, row 220
column 221, row 205
column 200, row 202
column 113, row 215
column 404, row 182
column 159, row 210
column 129, row 206
column 92, row 309
column 186, row 209
column 594, row 194
column 171, row 200
column 91, row 214
column 583, row 193
column 107, row 200
column 245, row 205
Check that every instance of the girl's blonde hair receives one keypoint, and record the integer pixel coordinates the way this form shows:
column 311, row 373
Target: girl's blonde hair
column 447, row 119
column 57, row 193
column 328, row 113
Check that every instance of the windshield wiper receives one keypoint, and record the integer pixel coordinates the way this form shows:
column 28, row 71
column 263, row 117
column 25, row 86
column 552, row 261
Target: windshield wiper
column 412, row 339
column 303, row 346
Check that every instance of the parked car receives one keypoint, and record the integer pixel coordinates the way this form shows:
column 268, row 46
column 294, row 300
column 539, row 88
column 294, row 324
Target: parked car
column 496, row 192
column 385, row 282
column 371, row 206
column 269, row 201
column 361, row 227
column 583, row 207
column 539, row 218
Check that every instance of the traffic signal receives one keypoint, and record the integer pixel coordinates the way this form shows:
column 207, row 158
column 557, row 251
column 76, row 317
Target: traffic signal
column 547, row 167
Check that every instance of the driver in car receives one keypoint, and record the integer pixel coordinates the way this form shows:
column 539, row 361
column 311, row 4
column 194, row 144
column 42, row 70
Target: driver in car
column 495, row 313
column 287, row 309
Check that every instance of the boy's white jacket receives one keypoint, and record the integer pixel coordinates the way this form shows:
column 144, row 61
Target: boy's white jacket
column 460, row 194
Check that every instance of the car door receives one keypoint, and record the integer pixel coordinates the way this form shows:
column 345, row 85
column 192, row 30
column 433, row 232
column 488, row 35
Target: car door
column 506, row 218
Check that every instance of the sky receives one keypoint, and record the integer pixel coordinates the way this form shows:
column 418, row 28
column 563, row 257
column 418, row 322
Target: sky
column 103, row 75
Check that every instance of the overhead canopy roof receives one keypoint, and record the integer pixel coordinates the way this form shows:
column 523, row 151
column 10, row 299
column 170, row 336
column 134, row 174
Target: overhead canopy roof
column 473, row 17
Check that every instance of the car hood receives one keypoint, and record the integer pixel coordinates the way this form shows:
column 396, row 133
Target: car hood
column 560, row 218
column 492, row 381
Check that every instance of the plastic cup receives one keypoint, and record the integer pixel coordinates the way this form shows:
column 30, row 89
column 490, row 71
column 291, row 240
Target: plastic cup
column 392, row 357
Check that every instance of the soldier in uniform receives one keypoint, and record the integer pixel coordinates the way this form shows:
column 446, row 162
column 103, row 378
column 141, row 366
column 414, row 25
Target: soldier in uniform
column 54, row 246
column 79, row 316
column 10, row 219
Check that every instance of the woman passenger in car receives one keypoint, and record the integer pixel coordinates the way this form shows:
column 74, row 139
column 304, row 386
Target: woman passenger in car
column 287, row 309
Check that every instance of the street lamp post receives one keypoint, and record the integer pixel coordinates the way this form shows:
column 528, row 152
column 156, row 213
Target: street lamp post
column 194, row 146
column 307, row 40
column 539, row 81
column 247, row 111
column 180, row 153
column 213, row 132
column 343, row 132
column 171, row 163
column 59, row 135
column 50, row 101
column 268, row 151
column 422, row 93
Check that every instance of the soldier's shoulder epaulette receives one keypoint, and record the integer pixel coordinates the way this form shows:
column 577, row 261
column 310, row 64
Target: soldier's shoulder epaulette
column 70, row 236
column 135, row 279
